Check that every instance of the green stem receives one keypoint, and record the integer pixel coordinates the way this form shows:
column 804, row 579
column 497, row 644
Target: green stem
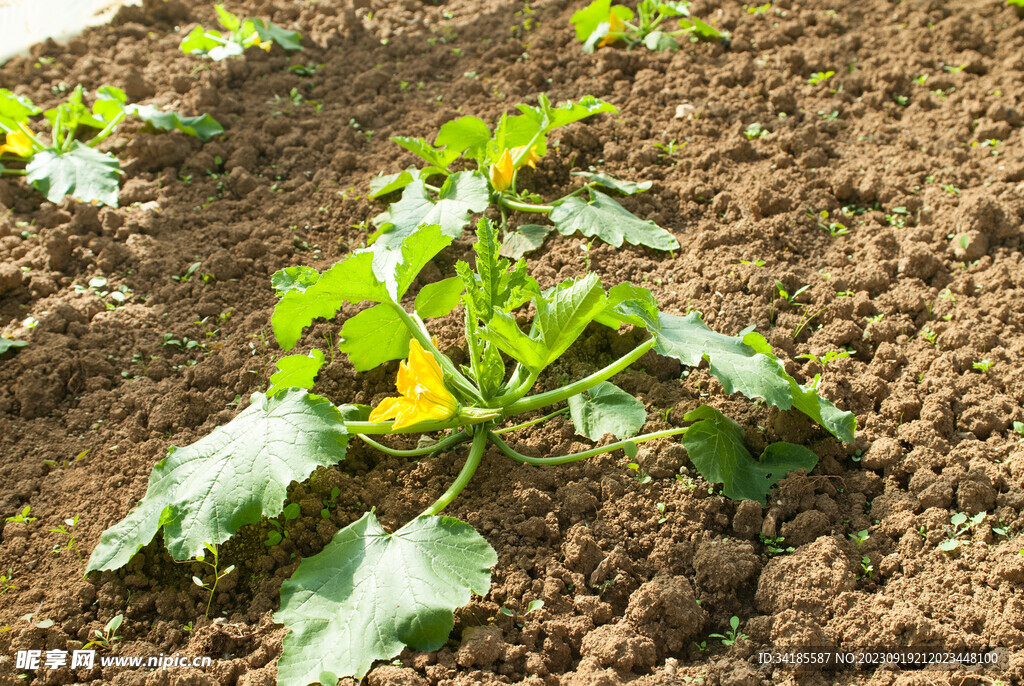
column 443, row 444
column 593, row 452
column 524, row 206
column 518, row 392
column 13, row 172
column 107, row 130
column 535, row 402
column 39, row 145
column 476, row 453
column 419, row 332
column 376, row 428
column 531, row 422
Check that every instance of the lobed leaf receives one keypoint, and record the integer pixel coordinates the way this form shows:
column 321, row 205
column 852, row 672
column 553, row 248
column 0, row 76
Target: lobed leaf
column 715, row 445
column 606, row 409
column 352, row 280
column 468, row 135
column 369, row 594
column 203, row 127
column 373, row 337
column 624, row 187
column 606, row 219
column 526, row 238
column 293, row 279
column 437, row 157
column 14, row 109
column 81, row 172
column 439, row 298
column 296, row 371
column 205, row 492
column 289, row 40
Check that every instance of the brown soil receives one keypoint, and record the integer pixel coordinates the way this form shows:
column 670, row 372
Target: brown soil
column 918, row 298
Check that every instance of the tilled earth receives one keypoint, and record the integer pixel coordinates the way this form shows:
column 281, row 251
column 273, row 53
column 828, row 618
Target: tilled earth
column 912, row 146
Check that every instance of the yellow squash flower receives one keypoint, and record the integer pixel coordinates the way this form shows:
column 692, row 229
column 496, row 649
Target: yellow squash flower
column 501, row 172
column 614, row 26
column 424, row 396
column 17, row 143
column 530, row 159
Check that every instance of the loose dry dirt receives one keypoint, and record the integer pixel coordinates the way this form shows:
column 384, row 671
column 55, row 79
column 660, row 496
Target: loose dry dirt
column 924, row 113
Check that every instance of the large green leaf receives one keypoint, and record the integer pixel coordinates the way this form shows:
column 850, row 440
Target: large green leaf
column 81, row 172
column 10, row 344
column 373, row 337
column 352, row 281
column 565, row 113
column 462, row 194
column 606, row 409
column 200, row 40
column 293, row 279
column 465, row 134
column 624, row 187
column 383, row 184
column 369, row 594
column 296, row 371
column 439, row 298
column 715, row 445
column 289, row 40
column 586, row 20
column 524, row 239
column 503, row 331
column 203, row 127
column 15, row 109
column 608, row 220
column 564, row 313
column 437, row 157
column 205, row 492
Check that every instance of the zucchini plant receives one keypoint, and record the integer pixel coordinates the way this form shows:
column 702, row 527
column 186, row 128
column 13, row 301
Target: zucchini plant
column 69, row 163
column 238, row 35
column 499, row 155
column 370, row 592
column 601, row 24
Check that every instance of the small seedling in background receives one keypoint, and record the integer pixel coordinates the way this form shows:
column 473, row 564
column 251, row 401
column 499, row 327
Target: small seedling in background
column 860, row 537
column 67, row 529
column 951, row 189
column 928, row 335
column 107, row 639
column 23, row 517
column 825, row 360
column 732, row 635
column 329, row 503
column 834, row 228
column 98, row 286
column 897, row 218
column 5, row 581
column 756, row 262
column 784, row 294
column 189, row 628
column 31, row 622
column 961, row 526
column 641, row 476
column 188, row 273
column 240, row 34
column 773, row 545
column 1002, row 529
column 866, row 568
column 661, row 511
column 533, row 606
column 291, row 512
column 820, row 76
column 217, row 574
column 755, row 131
column 1019, row 428
column 983, row 366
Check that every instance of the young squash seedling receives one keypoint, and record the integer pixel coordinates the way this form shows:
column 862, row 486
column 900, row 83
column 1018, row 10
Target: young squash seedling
column 69, row 164
column 959, row 525
column 732, row 634
column 107, row 638
column 600, row 24
column 239, row 34
column 5, row 581
column 67, row 529
column 23, row 516
column 375, row 591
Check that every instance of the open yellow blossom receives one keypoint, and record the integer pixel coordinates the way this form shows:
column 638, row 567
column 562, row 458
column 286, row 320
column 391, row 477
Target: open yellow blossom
column 17, row 143
column 501, row 172
column 614, row 27
column 424, row 396
column 530, row 159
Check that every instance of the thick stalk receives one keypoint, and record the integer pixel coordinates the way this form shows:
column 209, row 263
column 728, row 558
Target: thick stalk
column 476, row 453
column 443, row 444
column 376, row 428
column 573, row 457
column 518, row 392
column 535, row 402
column 524, row 206
column 107, row 130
